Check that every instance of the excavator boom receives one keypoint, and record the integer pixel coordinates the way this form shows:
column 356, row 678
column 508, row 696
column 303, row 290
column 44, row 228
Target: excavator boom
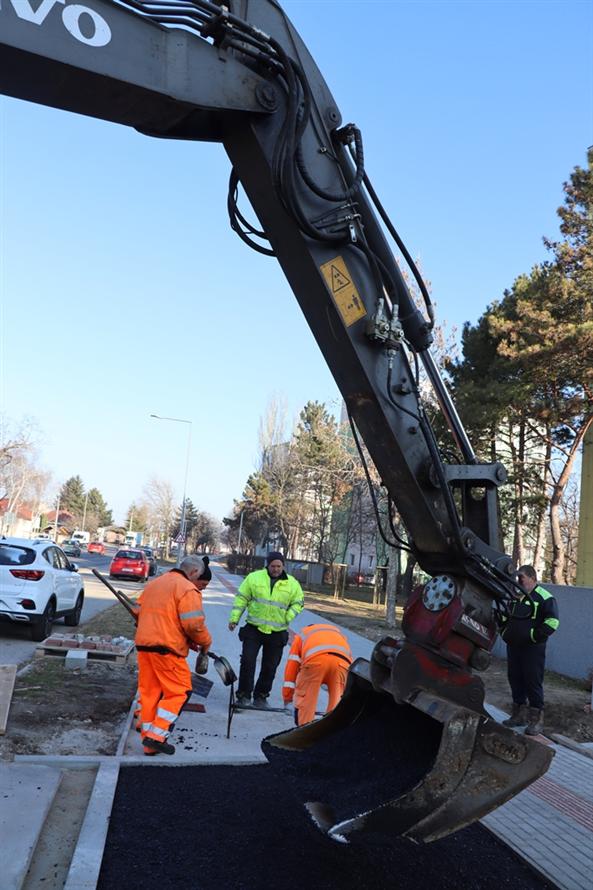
column 239, row 74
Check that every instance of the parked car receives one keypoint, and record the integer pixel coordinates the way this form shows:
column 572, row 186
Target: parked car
column 38, row 584
column 71, row 548
column 95, row 547
column 151, row 557
column 131, row 564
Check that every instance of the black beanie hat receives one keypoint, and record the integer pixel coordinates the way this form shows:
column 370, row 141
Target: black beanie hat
column 206, row 574
column 275, row 554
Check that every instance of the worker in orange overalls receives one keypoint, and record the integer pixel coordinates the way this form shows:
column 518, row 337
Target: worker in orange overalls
column 202, row 583
column 320, row 654
column 170, row 622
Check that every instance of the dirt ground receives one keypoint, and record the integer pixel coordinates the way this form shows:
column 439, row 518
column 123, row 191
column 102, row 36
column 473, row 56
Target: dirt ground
column 58, row 711
column 81, row 712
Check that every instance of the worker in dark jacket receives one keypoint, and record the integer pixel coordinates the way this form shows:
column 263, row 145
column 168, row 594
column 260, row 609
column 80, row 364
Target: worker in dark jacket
column 271, row 599
column 533, row 618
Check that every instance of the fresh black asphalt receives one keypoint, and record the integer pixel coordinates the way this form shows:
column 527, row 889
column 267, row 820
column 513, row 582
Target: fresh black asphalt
column 239, row 828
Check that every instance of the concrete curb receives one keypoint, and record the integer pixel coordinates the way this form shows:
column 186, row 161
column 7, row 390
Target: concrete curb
column 570, row 743
column 88, row 855
column 126, row 729
column 21, row 827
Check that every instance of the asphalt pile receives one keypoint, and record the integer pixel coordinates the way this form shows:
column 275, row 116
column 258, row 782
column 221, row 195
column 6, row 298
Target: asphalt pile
column 213, row 827
column 384, row 753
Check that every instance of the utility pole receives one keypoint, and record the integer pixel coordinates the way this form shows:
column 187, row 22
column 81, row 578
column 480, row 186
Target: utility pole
column 57, row 522
column 86, row 500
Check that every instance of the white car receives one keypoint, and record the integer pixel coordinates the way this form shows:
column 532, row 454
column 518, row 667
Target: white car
column 38, row 584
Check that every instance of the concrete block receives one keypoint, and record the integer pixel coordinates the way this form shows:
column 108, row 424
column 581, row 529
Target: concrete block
column 76, row 658
column 26, row 795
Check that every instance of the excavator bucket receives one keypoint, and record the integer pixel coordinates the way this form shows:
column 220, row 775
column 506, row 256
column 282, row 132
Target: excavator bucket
column 422, row 769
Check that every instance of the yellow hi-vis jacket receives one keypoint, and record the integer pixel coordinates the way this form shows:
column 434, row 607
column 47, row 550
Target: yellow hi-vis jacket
column 268, row 608
column 313, row 640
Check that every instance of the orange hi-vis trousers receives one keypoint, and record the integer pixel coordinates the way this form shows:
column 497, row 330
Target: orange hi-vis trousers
column 164, row 686
column 323, row 668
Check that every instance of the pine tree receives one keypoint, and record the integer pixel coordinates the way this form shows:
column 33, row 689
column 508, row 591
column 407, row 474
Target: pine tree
column 72, row 497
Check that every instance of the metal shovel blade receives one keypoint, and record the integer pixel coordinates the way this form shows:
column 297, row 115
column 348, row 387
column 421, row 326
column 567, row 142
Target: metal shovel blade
column 223, row 668
column 421, row 770
column 201, row 686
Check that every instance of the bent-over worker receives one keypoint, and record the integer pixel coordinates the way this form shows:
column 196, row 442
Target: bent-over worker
column 170, row 620
column 320, row 654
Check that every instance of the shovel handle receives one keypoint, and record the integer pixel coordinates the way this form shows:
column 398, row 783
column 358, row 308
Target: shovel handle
column 124, row 600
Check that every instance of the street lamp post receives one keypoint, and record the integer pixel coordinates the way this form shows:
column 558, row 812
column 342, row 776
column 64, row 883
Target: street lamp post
column 240, row 531
column 246, row 502
column 181, row 547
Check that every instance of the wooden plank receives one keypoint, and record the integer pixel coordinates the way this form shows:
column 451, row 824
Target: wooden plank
column 109, row 657
column 7, row 680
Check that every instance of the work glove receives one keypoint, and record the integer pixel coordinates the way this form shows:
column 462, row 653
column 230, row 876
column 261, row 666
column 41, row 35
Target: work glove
column 201, row 663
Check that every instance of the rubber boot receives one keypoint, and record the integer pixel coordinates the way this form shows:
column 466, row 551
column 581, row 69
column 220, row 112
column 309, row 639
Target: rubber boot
column 151, row 747
column 517, row 717
column 535, row 722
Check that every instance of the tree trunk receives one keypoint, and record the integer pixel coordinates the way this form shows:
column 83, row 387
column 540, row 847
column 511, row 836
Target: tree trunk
column 558, row 554
column 393, row 572
column 557, row 567
column 405, row 580
column 540, row 542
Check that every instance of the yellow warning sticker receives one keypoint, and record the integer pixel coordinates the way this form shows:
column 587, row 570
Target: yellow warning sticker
column 343, row 290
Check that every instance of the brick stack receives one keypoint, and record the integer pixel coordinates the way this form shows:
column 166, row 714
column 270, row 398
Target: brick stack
column 103, row 643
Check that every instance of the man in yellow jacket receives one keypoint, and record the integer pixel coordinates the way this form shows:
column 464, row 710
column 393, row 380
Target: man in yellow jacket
column 271, row 599
column 320, row 654
column 170, row 621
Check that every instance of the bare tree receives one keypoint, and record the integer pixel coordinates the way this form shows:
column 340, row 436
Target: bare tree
column 20, row 476
column 160, row 500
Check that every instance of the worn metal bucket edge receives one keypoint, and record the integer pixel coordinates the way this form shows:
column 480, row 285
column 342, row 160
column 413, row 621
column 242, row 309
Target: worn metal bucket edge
column 479, row 765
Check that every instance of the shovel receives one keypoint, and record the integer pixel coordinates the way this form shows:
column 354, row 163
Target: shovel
column 126, row 602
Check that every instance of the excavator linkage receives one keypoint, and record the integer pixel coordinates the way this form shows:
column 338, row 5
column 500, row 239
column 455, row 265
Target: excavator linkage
column 420, row 769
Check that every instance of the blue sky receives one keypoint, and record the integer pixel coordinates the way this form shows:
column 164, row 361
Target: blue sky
column 125, row 292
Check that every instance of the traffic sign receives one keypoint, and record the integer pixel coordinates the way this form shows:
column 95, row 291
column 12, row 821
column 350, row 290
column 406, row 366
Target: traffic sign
column 180, row 539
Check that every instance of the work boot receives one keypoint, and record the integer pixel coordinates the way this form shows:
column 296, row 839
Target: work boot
column 517, row 717
column 261, row 703
column 151, row 746
column 535, row 722
column 243, row 700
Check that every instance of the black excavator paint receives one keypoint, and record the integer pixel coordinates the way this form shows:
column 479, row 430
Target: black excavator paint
column 384, row 753
column 235, row 827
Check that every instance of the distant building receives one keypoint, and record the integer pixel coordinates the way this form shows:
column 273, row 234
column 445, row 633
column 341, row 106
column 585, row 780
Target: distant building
column 19, row 521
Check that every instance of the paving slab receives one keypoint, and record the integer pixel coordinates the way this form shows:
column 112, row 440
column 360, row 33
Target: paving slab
column 26, row 795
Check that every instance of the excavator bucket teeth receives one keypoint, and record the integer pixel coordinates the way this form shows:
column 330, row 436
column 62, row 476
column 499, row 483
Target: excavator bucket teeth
column 421, row 770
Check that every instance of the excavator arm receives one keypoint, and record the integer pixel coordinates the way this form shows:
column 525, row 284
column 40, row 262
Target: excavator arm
column 239, row 74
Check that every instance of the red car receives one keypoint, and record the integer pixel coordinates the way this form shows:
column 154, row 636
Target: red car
column 131, row 564
column 95, row 547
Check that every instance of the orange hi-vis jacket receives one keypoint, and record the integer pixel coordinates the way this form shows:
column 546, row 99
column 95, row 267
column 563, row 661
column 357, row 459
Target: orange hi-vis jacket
column 171, row 616
column 312, row 641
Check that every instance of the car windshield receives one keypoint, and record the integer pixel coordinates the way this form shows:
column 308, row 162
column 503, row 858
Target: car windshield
column 16, row 556
column 147, row 550
column 129, row 554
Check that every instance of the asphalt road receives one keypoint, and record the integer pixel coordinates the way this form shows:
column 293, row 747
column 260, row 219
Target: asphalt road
column 16, row 646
